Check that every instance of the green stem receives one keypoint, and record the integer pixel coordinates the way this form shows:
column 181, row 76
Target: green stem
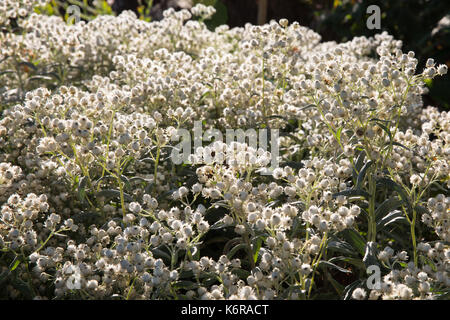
column 131, row 289
column 107, row 145
column 45, row 242
column 413, row 236
column 249, row 250
column 155, row 174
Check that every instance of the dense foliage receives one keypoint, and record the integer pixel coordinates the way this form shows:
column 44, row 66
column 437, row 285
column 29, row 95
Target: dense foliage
column 93, row 207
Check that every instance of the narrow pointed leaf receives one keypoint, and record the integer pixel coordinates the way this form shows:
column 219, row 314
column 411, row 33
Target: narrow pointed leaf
column 362, row 174
column 341, row 246
column 370, row 256
column 352, row 193
column 387, row 206
column 324, row 264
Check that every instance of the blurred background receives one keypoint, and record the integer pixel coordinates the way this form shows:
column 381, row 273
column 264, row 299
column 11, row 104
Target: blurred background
column 422, row 25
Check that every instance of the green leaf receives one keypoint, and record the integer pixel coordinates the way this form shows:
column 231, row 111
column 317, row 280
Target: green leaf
column 136, row 179
column 257, row 247
column 112, row 193
column 400, row 145
column 6, row 71
column 166, row 194
column 444, row 295
column 236, row 248
column 241, row 273
column 15, row 263
column 437, row 185
column 158, row 253
column 204, row 95
column 220, row 203
column 324, row 264
column 23, row 288
column 341, row 246
column 387, row 206
column 277, row 117
column 39, row 77
column 355, row 239
column 52, row 74
column 4, row 276
column 358, row 164
column 380, row 120
column 186, row 285
column 382, row 126
column 28, row 64
column 186, row 274
column 218, row 225
column 421, row 210
column 338, row 134
column 360, row 160
column 4, row 59
column 337, row 286
column 347, row 294
column 208, row 278
column 195, row 252
column 396, row 187
column 292, row 164
column 352, row 193
column 174, row 259
column 307, row 107
column 127, row 162
column 81, row 189
column 85, row 216
column 362, row 174
column 391, row 217
column 146, row 160
column 125, row 180
column 353, row 261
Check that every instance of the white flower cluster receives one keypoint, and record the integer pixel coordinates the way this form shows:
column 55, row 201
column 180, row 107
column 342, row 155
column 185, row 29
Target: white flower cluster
column 92, row 206
column 200, row 10
column 18, row 9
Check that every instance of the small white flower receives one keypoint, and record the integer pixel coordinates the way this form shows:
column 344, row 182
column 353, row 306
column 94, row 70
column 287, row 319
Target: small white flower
column 359, row 294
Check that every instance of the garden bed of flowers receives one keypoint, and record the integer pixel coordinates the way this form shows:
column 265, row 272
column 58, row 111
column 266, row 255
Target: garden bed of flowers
column 94, row 207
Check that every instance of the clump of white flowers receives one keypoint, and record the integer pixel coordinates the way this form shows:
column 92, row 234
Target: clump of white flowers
column 93, row 207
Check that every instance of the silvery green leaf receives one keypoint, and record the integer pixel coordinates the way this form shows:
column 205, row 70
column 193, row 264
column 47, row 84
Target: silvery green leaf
column 370, row 256
column 391, row 217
